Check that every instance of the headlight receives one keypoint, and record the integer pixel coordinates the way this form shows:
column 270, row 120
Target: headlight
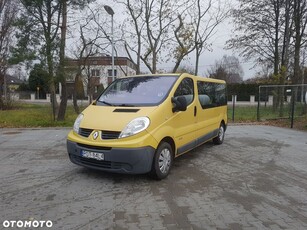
column 77, row 123
column 135, row 126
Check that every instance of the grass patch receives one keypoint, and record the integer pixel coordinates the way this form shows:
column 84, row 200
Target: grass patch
column 269, row 113
column 242, row 114
column 34, row 115
column 247, row 114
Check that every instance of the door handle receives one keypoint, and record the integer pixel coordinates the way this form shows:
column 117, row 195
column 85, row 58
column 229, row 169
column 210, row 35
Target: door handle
column 195, row 111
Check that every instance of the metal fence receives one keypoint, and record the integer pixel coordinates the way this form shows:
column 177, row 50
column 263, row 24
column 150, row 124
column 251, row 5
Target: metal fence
column 282, row 102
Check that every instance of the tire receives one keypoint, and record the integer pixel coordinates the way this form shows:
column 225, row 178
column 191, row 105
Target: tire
column 220, row 136
column 162, row 162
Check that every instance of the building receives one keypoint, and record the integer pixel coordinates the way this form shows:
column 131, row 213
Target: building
column 96, row 71
column 12, row 83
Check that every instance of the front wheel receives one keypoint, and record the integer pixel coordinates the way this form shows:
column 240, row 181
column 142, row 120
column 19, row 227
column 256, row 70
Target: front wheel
column 163, row 161
column 220, row 137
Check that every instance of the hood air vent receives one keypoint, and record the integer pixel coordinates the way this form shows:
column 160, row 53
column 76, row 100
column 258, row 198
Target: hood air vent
column 125, row 110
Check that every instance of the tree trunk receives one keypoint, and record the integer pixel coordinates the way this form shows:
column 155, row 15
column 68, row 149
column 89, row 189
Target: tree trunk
column 1, row 93
column 52, row 87
column 298, row 17
column 63, row 104
column 276, row 54
column 138, row 58
column 154, row 62
column 196, row 61
column 177, row 64
column 285, row 56
column 75, row 95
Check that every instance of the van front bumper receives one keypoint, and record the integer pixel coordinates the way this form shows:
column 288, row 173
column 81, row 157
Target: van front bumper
column 118, row 160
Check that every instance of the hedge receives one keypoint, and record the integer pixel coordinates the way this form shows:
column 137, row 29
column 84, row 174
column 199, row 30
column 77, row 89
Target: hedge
column 242, row 90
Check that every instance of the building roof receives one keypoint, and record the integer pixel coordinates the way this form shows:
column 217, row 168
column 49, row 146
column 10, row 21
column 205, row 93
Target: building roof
column 11, row 80
column 103, row 60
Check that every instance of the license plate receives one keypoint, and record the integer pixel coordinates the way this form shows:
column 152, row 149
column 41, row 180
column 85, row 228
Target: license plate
column 92, row 155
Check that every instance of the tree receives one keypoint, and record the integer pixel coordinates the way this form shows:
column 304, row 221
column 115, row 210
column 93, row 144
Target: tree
column 156, row 32
column 259, row 26
column 300, row 22
column 61, row 73
column 159, row 19
column 228, row 69
column 164, row 30
column 8, row 12
column 44, row 16
column 85, row 47
column 264, row 31
column 61, row 68
column 207, row 15
column 184, row 38
column 134, row 9
column 185, row 69
column 39, row 78
column 43, row 28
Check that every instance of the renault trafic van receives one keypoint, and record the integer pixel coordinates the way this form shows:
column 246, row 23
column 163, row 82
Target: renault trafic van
column 139, row 124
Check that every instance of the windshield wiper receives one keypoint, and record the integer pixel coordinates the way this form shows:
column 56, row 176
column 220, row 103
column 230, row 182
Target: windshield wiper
column 120, row 105
column 106, row 103
column 126, row 105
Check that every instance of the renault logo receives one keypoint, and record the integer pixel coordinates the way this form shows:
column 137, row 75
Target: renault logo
column 95, row 135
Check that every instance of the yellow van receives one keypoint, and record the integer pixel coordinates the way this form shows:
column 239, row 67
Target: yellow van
column 139, row 124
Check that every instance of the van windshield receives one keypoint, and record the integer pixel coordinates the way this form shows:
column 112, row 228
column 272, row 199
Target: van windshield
column 137, row 91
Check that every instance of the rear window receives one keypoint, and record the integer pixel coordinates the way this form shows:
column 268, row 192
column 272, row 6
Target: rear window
column 211, row 94
column 137, row 91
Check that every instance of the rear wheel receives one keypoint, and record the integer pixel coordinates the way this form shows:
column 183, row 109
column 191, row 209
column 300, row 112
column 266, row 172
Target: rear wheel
column 163, row 161
column 220, row 137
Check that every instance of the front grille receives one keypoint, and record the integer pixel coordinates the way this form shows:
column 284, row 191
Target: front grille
column 107, row 135
column 85, row 132
column 100, row 164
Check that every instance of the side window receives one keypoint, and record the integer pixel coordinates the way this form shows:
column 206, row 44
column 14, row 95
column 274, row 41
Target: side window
column 186, row 88
column 220, row 94
column 211, row 94
column 203, row 94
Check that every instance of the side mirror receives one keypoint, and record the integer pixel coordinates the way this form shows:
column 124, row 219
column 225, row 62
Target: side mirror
column 180, row 103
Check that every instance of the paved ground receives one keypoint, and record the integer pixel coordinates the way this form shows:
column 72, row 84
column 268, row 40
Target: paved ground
column 256, row 180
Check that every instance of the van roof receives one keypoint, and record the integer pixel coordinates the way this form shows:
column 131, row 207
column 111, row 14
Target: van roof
column 200, row 78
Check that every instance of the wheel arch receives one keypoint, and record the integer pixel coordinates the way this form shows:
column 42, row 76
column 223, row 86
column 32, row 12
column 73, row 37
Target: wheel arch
column 224, row 124
column 170, row 141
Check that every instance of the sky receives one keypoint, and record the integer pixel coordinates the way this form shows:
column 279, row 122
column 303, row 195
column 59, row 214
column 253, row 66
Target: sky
column 224, row 33
column 218, row 41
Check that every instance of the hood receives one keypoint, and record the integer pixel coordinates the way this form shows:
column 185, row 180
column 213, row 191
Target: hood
column 111, row 118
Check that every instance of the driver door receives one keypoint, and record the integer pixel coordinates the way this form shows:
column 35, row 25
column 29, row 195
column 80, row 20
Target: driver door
column 185, row 121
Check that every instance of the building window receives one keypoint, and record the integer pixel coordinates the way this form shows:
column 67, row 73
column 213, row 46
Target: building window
column 110, row 72
column 110, row 80
column 95, row 72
